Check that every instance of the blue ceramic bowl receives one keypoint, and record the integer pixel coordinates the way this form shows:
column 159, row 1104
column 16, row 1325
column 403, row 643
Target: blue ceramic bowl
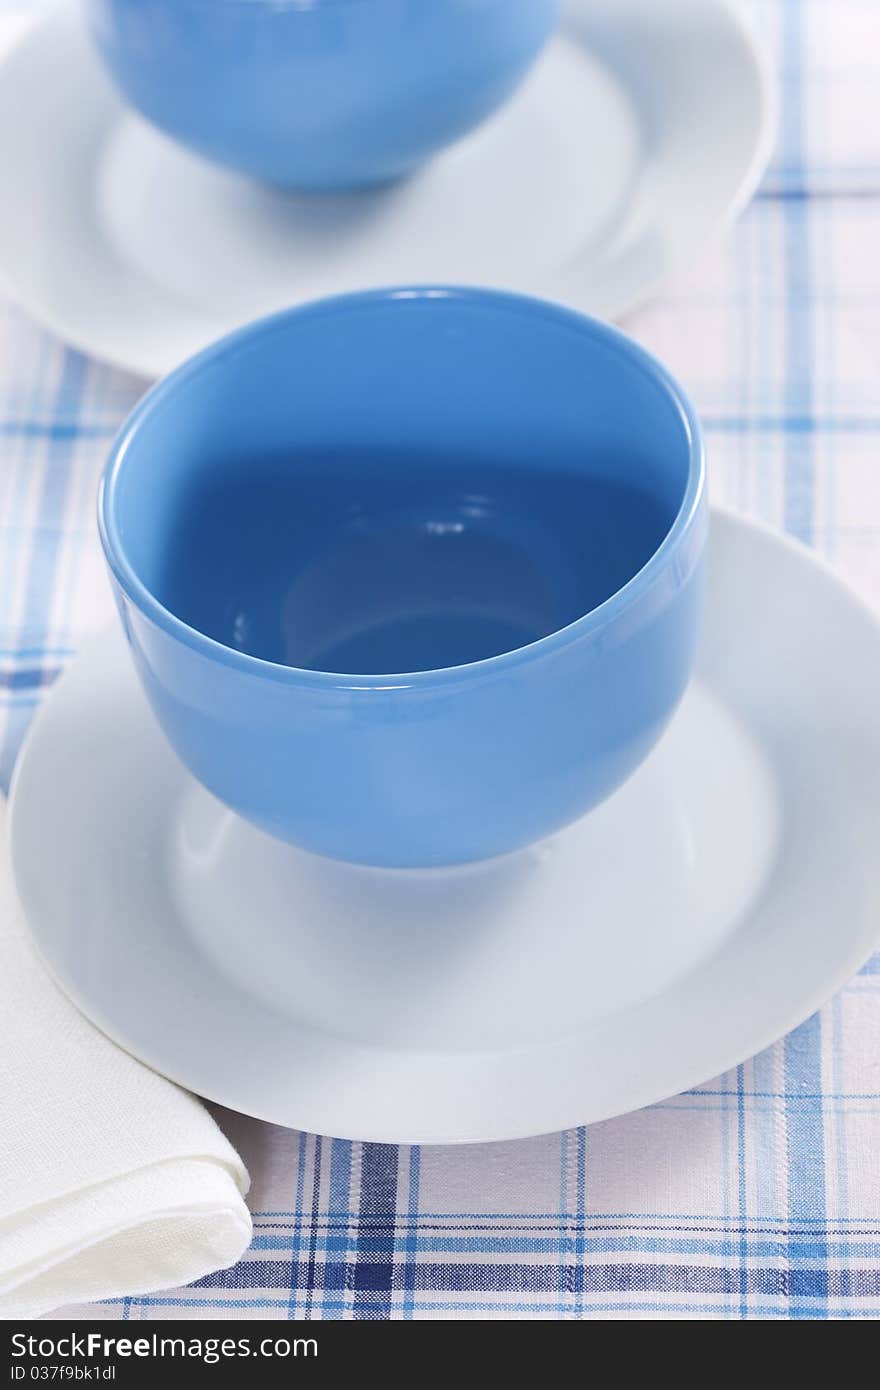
column 411, row 577
column 318, row 94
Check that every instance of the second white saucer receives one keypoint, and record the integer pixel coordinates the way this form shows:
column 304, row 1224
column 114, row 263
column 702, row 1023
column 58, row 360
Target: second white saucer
column 642, row 130
column 714, row 902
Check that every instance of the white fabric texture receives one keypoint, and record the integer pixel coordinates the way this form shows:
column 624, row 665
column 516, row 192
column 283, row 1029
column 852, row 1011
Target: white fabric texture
column 114, row 1181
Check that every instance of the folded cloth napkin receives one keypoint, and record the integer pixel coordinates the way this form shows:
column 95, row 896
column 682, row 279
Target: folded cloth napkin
column 112, row 1180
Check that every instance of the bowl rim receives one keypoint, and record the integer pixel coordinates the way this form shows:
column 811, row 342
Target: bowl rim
column 611, row 608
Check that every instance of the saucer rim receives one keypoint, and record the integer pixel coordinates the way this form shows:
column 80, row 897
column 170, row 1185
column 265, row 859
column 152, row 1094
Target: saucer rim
column 149, row 363
column 859, row 949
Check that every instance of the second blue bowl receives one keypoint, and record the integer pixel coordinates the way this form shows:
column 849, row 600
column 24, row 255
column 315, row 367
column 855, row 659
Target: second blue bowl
column 318, row 94
column 411, row 577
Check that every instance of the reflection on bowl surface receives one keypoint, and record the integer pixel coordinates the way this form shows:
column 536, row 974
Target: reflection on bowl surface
column 318, row 94
column 411, row 577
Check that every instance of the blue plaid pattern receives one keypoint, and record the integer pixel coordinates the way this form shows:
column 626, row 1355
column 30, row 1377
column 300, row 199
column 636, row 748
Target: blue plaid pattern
column 758, row 1194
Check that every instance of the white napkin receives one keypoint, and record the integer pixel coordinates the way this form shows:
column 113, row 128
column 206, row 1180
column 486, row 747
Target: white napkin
column 112, row 1180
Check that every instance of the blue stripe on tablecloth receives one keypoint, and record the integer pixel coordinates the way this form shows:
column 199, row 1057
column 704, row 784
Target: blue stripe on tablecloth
column 27, row 653
column 411, row 1240
column 55, row 430
column 373, row 1275
column 376, row 1278
column 839, row 1129
column 741, row 1188
column 580, row 1197
column 311, row 1265
column 802, row 1049
column 566, row 1245
column 747, row 423
column 799, row 472
column 813, row 195
column 40, row 584
column 600, row 1220
column 293, row 1309
column 28, row 677
column 40, row 575
column 339, row 1199
column 735, row 1247
column 806, row 1151
column 504, row 1307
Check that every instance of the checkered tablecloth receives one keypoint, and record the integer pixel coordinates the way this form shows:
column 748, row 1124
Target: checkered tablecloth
column 757, row 1195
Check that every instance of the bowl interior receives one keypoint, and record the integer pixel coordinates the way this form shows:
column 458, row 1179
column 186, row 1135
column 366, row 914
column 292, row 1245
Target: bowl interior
column 400, row 484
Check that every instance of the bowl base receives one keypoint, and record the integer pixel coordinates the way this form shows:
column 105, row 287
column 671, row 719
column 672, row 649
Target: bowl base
column 508, row 952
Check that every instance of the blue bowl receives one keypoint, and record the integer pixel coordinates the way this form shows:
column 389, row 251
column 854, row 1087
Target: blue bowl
column 411, row 577
column 318, row 94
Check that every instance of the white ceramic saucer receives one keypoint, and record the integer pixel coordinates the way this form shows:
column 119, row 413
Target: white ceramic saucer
column 712, row 904
column 644, row 128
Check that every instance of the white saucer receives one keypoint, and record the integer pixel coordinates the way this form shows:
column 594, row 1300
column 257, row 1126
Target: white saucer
column 712, row 904
column 643, row 129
